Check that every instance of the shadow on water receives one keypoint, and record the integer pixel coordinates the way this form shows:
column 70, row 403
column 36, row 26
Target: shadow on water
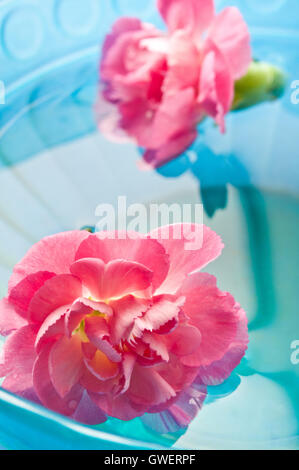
column 214, row 173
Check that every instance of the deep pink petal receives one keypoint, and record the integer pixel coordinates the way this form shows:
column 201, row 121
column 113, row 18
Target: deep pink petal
column 128, row 363
column 9, row 319
column 78, row 311
column 134, row 247
column 219, row 371
column 157, row 344
column 87, row 412
column 101, row 366
column 46, row 391
column 192, row 16
column 54, row 254
column 217, row 316
column 94, row 384
column 148, row 388
column 125, row 277
column 52, row 326
column 18, row 356
column 97, row 331
column 119, row 407
column 21, row 387
column 91, row 272
column 56, row 292
column 65, row 364
column 184, row 340
column 154, row 158
column 190, row 247
column 230, row 34
column 20, row 296
column 178, row 375
column 164, row 309
column 180, row 103
column 126, row 311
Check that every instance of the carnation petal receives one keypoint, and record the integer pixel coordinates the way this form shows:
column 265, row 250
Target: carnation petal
column 60, row 290
column 53, row 254
column 87, row 412
column 217, row 317
column 193, row 16
column 9, row 319
column 126, row 311
column 101, row 366
column 52, row 326
column 133, row 246
column 148, row 388
column 46, row 391
column 65, row 364
column 230, row 34
column 183, row 260
column 18, row 354
column 97, row 331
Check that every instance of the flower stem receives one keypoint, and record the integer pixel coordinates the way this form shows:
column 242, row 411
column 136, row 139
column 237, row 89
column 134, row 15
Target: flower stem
column 262, row 82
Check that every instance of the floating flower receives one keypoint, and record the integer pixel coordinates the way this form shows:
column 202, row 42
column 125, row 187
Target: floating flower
column 161, row 85
column 101, row 326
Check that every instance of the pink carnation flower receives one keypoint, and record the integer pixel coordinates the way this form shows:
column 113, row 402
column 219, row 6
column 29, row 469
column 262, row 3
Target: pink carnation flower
column 161, row 85
column 103, row 327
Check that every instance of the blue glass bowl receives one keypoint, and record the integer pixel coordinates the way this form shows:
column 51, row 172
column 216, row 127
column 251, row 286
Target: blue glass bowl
column 55, row 168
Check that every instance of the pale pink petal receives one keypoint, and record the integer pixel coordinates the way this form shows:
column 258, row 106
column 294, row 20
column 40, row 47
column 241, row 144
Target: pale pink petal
column 87, row 412
column 193, row 16
column 78, row 311
column 126, row 310
column 97, row 331
column 230, row 34
column 101, row 366
column 54, row 254
column 216, row 87
column 20, row 296
column 190, row 247
column 18, row 356
column 183, row 61
column 65, row 364
column 109, row 246
column 148, row 388
column 217, row 317
column 52, row 326
column 46, row 391
column 56, row 292
column 9, row 319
